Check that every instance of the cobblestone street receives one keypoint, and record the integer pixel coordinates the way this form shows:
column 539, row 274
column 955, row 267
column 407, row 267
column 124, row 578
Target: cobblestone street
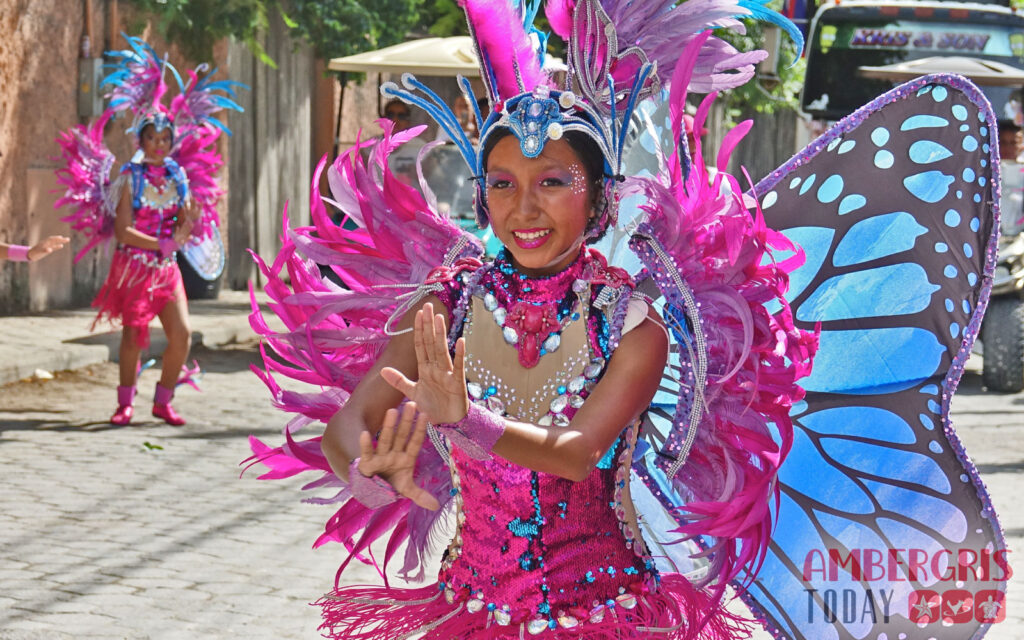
column 148, row 532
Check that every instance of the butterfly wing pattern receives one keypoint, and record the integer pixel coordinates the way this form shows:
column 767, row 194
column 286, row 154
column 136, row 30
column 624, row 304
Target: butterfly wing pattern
column 885, row 529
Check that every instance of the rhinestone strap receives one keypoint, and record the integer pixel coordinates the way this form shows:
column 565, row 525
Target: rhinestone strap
column 476, row 433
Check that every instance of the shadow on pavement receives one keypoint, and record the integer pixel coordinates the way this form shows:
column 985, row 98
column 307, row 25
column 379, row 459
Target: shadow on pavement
column 1001, row 467
column 36, row 424
column 229, row 359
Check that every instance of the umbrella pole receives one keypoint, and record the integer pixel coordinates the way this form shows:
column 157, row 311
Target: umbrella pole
column 343, row 80
column 380, row 105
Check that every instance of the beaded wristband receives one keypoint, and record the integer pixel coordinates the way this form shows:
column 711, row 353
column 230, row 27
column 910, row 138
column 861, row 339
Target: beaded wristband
column 17, row 253
column 475, row 434
column 167, row 246
column 372, row 493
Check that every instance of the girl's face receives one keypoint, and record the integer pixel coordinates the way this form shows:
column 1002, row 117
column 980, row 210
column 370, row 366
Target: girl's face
column 155, row 144
column 539, row 207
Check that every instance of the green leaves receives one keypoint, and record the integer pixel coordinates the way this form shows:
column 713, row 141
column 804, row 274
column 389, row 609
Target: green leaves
column 765, row 95
column 344, row 27
column 445, row 18
column 196, row 25
column 332, row 27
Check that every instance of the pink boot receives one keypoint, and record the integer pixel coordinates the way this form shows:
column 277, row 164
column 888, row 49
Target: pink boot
column 162, row 406
column 123, row 415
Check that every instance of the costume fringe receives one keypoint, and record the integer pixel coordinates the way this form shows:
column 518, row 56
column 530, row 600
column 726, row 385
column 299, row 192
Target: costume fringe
column 675, row 612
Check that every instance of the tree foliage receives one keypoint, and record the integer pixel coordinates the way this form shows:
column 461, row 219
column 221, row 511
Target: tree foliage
column 444, row 18
column 343, row 27
column 196, row 25
column 331, row 27
column 765, row 93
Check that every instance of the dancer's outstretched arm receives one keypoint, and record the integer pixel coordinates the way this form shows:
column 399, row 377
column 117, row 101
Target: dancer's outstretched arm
column 365, row 409
column 21, row 253
column 624, row 392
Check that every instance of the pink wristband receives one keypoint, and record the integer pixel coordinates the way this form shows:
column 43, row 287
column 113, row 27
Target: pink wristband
column 477, row 433
column 372, row 493
column 17, row 253
column 167, row 246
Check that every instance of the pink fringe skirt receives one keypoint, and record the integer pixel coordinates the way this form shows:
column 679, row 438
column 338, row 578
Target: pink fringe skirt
column 677, row 611
column 136, row 290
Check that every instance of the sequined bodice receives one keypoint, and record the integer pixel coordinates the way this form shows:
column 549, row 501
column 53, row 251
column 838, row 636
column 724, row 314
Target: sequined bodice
column 158, row 213
column 533, row 544
column 534, row 547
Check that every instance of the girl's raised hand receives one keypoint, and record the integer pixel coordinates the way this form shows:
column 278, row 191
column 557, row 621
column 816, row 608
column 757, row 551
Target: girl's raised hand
column 394, row 458
column 192, row 210
column 440, row 389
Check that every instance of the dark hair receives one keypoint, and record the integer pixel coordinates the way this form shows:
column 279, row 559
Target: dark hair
column 395, row 101
column 152, row 125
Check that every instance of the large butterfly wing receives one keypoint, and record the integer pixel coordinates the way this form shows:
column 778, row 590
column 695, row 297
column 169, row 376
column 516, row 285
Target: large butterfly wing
column 884, row 528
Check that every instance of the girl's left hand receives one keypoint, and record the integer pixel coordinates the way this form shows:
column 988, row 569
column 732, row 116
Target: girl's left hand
column 183, row 230
column 191, row 211
column 440, row 391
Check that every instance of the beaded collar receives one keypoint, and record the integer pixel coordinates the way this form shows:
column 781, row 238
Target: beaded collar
column 156, row 173
column 533, row 311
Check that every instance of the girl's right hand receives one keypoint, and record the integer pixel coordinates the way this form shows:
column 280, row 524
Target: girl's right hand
column 183, row 230
column 394, row 458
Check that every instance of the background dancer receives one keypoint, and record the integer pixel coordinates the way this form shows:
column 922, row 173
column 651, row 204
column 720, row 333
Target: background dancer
column 163, row 198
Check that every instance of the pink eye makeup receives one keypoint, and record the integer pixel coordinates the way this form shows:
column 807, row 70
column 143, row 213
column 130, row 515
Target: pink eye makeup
column 498, row 180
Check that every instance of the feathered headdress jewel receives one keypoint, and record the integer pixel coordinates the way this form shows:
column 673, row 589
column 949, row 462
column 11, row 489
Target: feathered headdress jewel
column 618, row 54
column 137, row 89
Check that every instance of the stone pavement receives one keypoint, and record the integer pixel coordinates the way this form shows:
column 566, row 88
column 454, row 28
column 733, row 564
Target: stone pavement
column 147, row 532
column 60, row 340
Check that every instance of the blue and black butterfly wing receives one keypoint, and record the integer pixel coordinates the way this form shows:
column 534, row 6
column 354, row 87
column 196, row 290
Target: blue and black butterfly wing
column 895, row 209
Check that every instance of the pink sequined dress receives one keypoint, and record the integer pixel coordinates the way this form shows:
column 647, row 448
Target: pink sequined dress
column 140, row 281
column 534, row 553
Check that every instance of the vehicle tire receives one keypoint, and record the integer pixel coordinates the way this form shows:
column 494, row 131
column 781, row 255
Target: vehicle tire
column 1002, row 337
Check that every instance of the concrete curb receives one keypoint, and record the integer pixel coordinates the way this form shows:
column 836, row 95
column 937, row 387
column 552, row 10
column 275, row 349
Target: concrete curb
column 103, row 347
column 60, row 341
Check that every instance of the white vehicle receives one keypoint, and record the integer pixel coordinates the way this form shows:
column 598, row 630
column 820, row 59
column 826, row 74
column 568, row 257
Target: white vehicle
column 860, row 49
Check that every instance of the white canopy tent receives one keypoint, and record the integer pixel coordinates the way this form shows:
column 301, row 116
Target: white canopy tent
column 429, row 56
column 444, row 57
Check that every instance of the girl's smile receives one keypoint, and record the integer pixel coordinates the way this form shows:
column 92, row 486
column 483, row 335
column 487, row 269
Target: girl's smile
column 531, row 238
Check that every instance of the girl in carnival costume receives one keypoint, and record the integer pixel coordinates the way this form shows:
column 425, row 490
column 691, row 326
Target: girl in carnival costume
column 162, row 199
column 605, row 429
